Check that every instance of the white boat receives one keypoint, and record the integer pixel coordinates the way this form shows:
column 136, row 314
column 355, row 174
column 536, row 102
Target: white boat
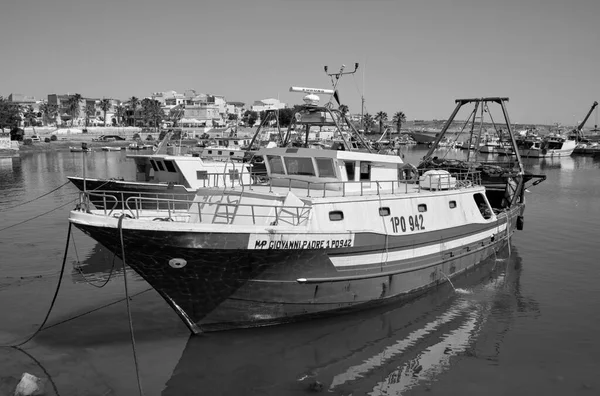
column 163, row 175
column 548, row 147
column 111, row 148
column 329, row 231
column 225, row 149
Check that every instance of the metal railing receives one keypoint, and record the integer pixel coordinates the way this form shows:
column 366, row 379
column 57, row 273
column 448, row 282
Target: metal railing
column 158, row 206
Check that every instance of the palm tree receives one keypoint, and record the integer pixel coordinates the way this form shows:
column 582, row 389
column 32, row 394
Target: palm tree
column 50, row 112
column 90, row 111
column 381, row 117
column 133, row 105
column 105, row 105
column 120, row 112
column 368, row 122
column 398, row 119
column 73, row 106
column 31, row 117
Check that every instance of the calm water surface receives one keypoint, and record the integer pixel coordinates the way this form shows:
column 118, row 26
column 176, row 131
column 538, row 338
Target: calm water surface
column 528, row 324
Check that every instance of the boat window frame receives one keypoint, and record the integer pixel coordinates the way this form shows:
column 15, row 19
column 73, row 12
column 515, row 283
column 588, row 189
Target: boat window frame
column 384, row 211
column 269, row 164
column 170, row 166
column 336, row 215
column 153, row 164
column 301, row 163
column 360, row 172
column 160, row 165
column 452, row 204
column 330, row 162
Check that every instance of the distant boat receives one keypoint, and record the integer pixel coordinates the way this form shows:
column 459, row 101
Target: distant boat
column 111, row 148
column 79, row 149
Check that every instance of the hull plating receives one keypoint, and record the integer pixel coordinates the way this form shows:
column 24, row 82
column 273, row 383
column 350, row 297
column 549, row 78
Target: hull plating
column 213, row 281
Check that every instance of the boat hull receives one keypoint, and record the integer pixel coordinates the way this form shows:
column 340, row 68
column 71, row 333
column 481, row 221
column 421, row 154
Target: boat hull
column 217, row 281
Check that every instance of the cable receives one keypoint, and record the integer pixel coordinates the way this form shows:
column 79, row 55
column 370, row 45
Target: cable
column 94, row 310
column 40, row 215
column 62, row 271
column 35, row 199
column 110, row 274
column 135, row 360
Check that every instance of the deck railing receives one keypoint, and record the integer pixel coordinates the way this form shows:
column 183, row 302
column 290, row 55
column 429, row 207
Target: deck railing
column 155, row 207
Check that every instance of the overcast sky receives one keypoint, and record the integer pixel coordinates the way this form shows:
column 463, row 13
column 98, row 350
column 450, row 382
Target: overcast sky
column 415, row 56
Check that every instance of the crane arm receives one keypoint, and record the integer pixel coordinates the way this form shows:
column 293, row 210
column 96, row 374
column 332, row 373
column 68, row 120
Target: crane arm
column 587, row 116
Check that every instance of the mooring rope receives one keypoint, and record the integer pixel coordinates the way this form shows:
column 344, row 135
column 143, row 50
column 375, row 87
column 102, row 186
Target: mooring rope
column 62, row 271
column 135, row 360
column 40, row 215
column 35, row 199
column 89, row 282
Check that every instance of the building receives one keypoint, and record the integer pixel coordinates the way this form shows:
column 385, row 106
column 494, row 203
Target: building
column 65, row 116
column 267, row 104
column 235, row 109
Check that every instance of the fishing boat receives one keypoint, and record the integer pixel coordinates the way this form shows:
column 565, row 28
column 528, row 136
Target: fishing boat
column 328, row 232
column 547, row 147
column 162, row 175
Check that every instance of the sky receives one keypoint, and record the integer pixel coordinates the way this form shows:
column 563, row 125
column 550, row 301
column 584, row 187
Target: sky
column 415, row 56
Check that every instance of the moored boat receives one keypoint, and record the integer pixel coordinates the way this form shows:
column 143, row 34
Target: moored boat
column 328, row 232
column 549, row 146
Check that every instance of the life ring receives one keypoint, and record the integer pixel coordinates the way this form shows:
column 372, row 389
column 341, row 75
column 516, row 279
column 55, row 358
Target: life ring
column 408, row 173
column 544, row 151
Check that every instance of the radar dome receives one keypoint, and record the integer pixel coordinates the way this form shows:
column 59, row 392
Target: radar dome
column 311, row 99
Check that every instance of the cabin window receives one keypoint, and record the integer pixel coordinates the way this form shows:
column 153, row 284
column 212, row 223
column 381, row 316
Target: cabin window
column 154, row 165
column 299, row 166
column 219, row 152
column 202, row 175
column 482, row 205
column 384, row 211
column 336, row 215
column 325, row 167
column 365, row 171
column 231, row 153
column 452, row 204
column 170, row 167
column 160, row 165
column 209, row 151
column 275, row 164
column 350, row 170
column 422, row 208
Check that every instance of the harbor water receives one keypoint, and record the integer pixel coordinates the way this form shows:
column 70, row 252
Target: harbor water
column 525, row 322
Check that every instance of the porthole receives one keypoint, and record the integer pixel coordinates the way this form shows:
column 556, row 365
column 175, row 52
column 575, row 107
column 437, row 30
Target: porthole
column 452, row 204
column 336, row 215
column 422, row 208
column 384, row 211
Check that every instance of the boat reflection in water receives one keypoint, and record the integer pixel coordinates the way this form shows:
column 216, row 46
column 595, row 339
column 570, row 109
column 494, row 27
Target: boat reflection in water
column 99, row 266
column 380, row 352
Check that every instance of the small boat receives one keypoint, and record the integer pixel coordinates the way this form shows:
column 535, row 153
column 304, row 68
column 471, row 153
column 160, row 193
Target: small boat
column 75, row 149
column 111, row 148
column 327, row 231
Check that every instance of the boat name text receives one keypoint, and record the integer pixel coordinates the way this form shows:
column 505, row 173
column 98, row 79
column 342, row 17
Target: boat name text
column 402, row 224
column 316, row 244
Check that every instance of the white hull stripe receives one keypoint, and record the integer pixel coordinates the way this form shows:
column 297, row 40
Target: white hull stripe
column 406, row 254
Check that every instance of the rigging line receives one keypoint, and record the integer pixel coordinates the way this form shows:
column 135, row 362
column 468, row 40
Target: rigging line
column 40, row 215
column 135, row 360
column 54, row 387
column 62, row 271
column 78, row 267
column 35, row 199
column 95, row 309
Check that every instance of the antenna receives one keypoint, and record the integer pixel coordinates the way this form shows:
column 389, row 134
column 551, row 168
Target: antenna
column 335, row 78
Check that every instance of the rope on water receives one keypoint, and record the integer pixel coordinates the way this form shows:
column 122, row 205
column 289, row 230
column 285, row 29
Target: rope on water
column 35, row 199
column 62, row 271
column 40, row 215
column 135, row 360
column 89, row 282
